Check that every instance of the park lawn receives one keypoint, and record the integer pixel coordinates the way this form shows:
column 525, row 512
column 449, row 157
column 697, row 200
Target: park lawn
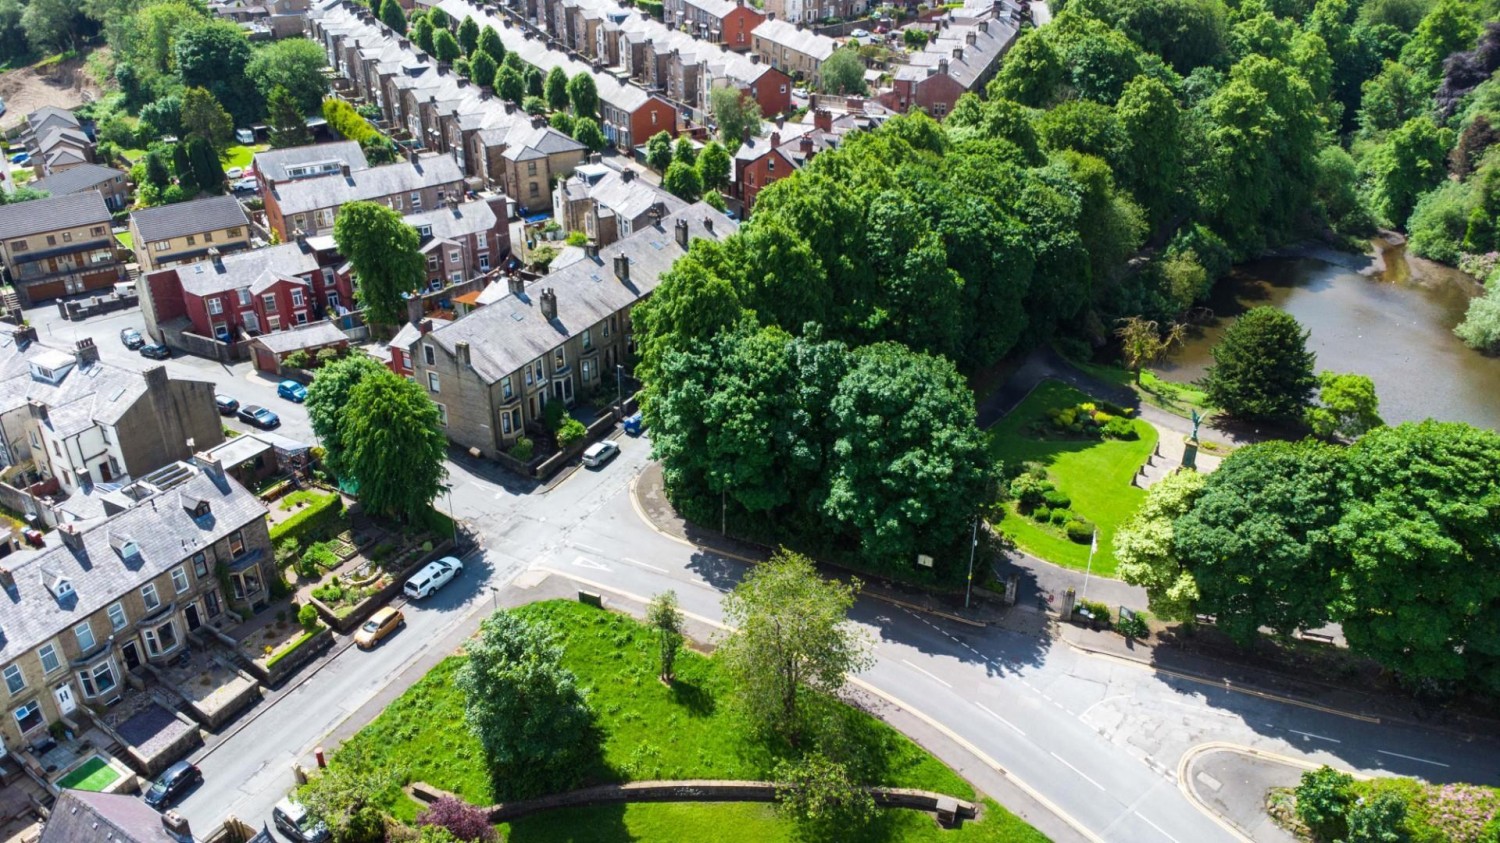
column 1096, row 474
column 239, row 156
column 94, row 775
column 1174, row 397
column 647, row 730
column 741, row 822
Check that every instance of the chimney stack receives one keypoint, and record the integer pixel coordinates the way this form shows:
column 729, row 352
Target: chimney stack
column 424, row 327
column 176, row 826
column 463, row 352
column 823, row 120
column 627, row 175
column 942, row 67
column 344, row 169
column 682, row 233
column 958, row 53
column 622, row 268
column 775, row 139
column 971, row 38
column 549, row 304
column 210, row 465
column 25, row 336
column 708, row 224
column 415, row 309
column 591, row 250
column 87, row 352
column 72, row 539
column 7, row 579
column 516, row 283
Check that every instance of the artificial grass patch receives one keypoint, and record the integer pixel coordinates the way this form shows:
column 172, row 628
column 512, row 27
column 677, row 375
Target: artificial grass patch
column 94, row 775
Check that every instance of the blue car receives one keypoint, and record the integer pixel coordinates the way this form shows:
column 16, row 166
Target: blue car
column 21, row 158
column 634, row 424
column 292, row 391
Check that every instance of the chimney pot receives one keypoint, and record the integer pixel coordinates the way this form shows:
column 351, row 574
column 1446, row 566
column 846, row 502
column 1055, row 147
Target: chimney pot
column 549, row 304
column 627, row 175
column 622, row 268
column 87, row 352
column 7, row 579
column 424, row 326
column 591, row 250
column 516, row 283
column 775, row 139
column 682, row 233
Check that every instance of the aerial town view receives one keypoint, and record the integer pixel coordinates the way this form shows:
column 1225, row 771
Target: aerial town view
column 750, row 421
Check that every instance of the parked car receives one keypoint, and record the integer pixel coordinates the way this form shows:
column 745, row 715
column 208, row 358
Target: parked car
column 432, row 577
column 234, row 172
column 600, row 453
column 132, row 338
column 635, row 424
column 21, row 158
column 292, row 391
column 382, row 623
column 291, row 818
column 227, row 406
column 259, row 416
column 246, row 185
column 170, row 786
column 156, row 351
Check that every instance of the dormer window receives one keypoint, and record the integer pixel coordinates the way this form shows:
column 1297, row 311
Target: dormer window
column 125, row 546
column 60, row 587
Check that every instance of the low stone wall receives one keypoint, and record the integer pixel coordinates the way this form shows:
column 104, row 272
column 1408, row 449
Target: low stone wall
column 19, row 501
column 596, row 431
column 364, row 610
column 79, row 309
column 317, row 645
column 201, row 346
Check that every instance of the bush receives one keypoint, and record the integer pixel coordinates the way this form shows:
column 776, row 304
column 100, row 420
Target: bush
column 1379, row 819
column 308, row 617
column 312, row 523
column 523, row 449
column 321, row 554
column 298, row 360
column 1061, row 516
column 1133, row 627
column 553, row 414
column 1080, row 531
column 577, row 238
column 1029, row 490
column 1057, row 500
column 571, row 431
column 328, row 355
column 329, row 593
column 462, row 820
column 1119, row 428
column 1323, row 799
column 1100, row 611
column 1042, row 514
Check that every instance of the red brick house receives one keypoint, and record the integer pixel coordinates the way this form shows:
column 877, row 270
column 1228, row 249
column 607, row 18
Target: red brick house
column 726, row 22
column 272, row 350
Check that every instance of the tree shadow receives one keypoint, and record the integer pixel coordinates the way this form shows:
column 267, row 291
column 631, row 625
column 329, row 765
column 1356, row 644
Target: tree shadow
column 695, row 700
column 593, row 824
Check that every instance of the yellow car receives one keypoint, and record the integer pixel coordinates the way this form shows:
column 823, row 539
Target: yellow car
column 382, row 623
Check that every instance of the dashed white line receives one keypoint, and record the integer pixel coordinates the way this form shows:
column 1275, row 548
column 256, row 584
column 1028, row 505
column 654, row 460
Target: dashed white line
column 1158, row 828
column 928, row 675
column 1311, row 735
column 986, row 710
column 1412, row 758
column 644, row 565
column 1080, row 773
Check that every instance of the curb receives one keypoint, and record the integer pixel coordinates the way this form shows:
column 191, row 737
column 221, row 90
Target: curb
column 1185, row 784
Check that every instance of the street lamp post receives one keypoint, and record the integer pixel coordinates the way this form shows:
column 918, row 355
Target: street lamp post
column 1088, row 571
column 973, row 546
column 620, row 385
column 448, row 489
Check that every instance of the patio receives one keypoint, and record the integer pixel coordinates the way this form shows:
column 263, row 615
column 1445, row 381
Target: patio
column 152, row 734
column 213, row 688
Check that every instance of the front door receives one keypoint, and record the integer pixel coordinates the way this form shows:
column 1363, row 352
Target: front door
column 66, row 704
column 132, row 655
column 191, row 613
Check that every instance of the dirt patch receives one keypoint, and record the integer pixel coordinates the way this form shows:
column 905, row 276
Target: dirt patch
column 65, row 84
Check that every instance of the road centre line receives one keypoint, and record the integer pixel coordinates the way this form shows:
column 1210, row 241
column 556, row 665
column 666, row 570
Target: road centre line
column 1412, row 758
column 644, row 565
column 1311, row 735
column 1158, row 828
column 928, row 675
column 1080, row 773
column 986, row 710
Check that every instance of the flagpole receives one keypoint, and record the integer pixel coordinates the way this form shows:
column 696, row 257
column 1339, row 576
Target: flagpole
column 1093, row 546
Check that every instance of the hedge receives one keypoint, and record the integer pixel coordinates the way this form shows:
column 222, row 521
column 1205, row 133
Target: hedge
column 342, row 118
column 311, row 524
column 292, row 648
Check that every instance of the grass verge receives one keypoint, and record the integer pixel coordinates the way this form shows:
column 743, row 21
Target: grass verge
column 240, row 156
column 1095, row 473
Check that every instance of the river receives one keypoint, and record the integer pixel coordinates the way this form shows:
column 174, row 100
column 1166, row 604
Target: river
column 1390, row 318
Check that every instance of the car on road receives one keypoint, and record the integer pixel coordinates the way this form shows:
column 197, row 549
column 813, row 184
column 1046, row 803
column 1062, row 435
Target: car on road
column 799, row 93
column 170, row 786
column 635, row 424
column 227, row 406
column 600, row 453
column 432, row 577
column 132, row 338
column 382, row 623
column 292, row 391
column 291, row 819
column 156, row 351
column 21, row 158
column 259, row 416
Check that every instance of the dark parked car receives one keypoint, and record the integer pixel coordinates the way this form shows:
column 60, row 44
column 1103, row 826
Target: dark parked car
column 172, row 784
column 156, row 351
column 132, row 338
column 259, row 416
column 293, row 820
column 227, row 406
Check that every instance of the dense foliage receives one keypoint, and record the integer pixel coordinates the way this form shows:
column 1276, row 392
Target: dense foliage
column 1262, row 368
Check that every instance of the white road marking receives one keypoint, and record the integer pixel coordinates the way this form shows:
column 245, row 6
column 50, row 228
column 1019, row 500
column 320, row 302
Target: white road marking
column 584, row 562
column 1080, row 773
column 1311, row 735
column 1155, row 826
column 986, row 710
column 643, row 565
column 1412, row 758
column 928, row 675
column 586, row 549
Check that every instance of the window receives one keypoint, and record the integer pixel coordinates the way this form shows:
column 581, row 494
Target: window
column 538, row 367
column 29, row 717
column 607, row 323
column 51, row 240
column 269, row 300
column 237, row 543
column 442, row 414
column 783, row 89
column 98, row 681
column 148, row 593
column 85, row 635
column 208, row 237
column 536, row 190
column 588, row 339
column 333, row 302
column 327, row 277
column 200, row 564
column 114, row 467
column 432, row 382
column 424, row 232
column 300, row 221
column 179, row 579
column 15, row 682
column 432, row 263
column 162, row 639
column 48, row 654
column 530, row 168
column 234, row 232
column 160, row 246
column 484, row 261
column 416, row 201
column 244, row 297
column 117, row 617
column 215, row 307
column 454, row 256
column 273, row 323
column 191, row 240
column 428, row 356
column 34, row 442
column 296, row 298
column 395, row 203
column 19, row 245
column 505, row 388
column 505, row 423
column 559, row 359
column 67, row 237
column 301, row 317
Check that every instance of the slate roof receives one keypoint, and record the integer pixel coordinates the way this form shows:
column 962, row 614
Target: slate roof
column 974, row 61
column 39, row 216
column 243, row 269
column 508, row 334
column 463, row 218
column 300, row 337
column 303, row 195
column 803, row 41
column 629, row 199
column 80, row 816
column 82, row 177
column 97, row 392
column 273, row 163
column 199, row 215
column 158, row 524
column 539, row 142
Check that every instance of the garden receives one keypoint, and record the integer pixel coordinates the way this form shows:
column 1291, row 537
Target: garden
column 1329, row 805
column 1069, row 461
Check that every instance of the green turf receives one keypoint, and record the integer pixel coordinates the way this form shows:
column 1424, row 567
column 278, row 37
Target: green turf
column 749, row 823
column 649, row 731
column 94, row 774
column 126, row 239
column 239, row 156
column 1095, row 473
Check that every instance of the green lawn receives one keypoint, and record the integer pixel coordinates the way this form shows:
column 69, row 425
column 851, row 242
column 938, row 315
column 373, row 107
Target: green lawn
column 648, row 731
column 748, row 823
column 94, row 774
column 239, row 156
column 1095, row 473
column 126, row 239
column 1174, row 397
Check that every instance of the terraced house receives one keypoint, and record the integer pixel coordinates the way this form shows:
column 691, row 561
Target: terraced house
column 187, row 231
column 59, row 246
column 104, row 598
column 308, row 207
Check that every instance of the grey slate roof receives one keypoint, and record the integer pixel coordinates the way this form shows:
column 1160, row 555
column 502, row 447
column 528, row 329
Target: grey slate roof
column 303, row 195
column 508, row 334
column 82, row 177
column 100, row 391
column 55, row 212
column 168, row 221
column 974, row 61
column 243, row 269
column 463, row 218
column 165, row 533
column 804, row 41
column 311, row 335
column 273, row 163
column 629, row 199
column 80, row 816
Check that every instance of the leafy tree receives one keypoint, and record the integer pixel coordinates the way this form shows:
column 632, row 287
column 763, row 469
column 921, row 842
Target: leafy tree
column 208, row 173
column 1259, row 539
column 383, row 251
column 683, row 181
column 685, row 151
column 1409, row 162
column 1449, row 27
column 161, row 117
column 296, row 64
column 844, row 73
column 734, row 113
column 462, row 820
column 1481, row 326
column 563, row 122
column 714, row 164
column 327, row 397
column 1146, row 547
column 182, row 167
column 659, row 152
column 394, row 445
column 790, row 638
column 490, row 43
column 587, row 132
column 22, row 194
column 424, row 35
column 1149, row 123
column 584, row 95
column 13, row 43
column 482, row 68
column 524, row 706
column 157, row 173
column 392, row 15
column 555, row 90
column 216, row 55
column 1262, row 368
column 1186, row 33
column 468, row 36
column 347, row 795
column 1346, row 407
column 535, row 82
column 1031, row 73
column 445, row 47
column 1392, row 98
column 1323, row 798
column 51, row 24
column 1378, row 819
column 509, row 85
column 1143, row 343
column 513, row 61
column 438, row 18
column 203, row 117
column 819, row 795
column 663, row 616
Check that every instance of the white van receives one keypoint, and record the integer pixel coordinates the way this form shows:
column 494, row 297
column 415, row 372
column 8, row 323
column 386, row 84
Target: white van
column 433, row 576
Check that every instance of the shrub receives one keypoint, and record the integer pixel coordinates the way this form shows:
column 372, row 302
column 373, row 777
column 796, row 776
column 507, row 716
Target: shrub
column 1080, row 531
column 321, row 554
column 577, row 238
column 1042, row 514
column 1100, row 611
column 1056, row 499
column 523, row 449
column 298, row 359
column 571, row 431
column 463, row 820
column 329, row 593
column 1061, row 516
column 1119, row 428
column 328, row 355
column 1323, row 799
column 308, row 617
column 1029, row 490
column 1133, row 627
column 1378, row 819
column 553, row 414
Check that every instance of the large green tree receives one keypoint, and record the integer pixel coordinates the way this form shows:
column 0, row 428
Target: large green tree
column 208, row 173
column 445, row 47
column 489, row 42
column 296, row 64
column 468, row 36
column 1346, row 406
column 327, row 397
column 735, row 113
column 683, row 181
column 1146, row 546
column 348, row 794
column 394, row 445
column 216, row 55
column 1409, row 162
column 1262, row 368
column 584, row 95
column 555, row 89
column 203, row 117
column 714, row 165
column 287, row 120
column 843, row 73
column 384, row 253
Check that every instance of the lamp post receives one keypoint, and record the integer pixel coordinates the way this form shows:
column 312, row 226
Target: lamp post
column 620, row 385
column 973, row 546
column 1093, row 546
column 448, row 490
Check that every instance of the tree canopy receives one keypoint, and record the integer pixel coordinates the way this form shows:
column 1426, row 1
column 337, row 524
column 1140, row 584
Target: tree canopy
column 1262, row 368
column 384, row 253
column 394, row 445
